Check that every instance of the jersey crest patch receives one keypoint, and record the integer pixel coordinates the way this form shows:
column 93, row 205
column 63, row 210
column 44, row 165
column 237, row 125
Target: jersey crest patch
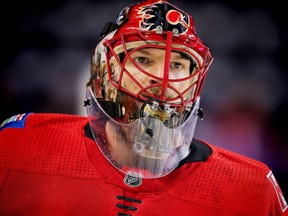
column 280, row 196
column 16, row 121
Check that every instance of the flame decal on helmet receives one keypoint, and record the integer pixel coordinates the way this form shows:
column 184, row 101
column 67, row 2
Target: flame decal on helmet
column 164, row 15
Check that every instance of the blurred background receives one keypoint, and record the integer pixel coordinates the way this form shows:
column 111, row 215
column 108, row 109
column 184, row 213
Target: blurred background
column 46, row 48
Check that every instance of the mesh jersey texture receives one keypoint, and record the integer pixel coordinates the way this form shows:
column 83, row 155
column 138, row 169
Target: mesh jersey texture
column 50, row 167
column 48, row 144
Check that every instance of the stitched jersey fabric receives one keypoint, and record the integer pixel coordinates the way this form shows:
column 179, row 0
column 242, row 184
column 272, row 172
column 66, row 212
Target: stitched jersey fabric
column 48, row 166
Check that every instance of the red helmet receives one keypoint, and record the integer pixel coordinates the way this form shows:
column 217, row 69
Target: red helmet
column 129, row 84
column 156, row 24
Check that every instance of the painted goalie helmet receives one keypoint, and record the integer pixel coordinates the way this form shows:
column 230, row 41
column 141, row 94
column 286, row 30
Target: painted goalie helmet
column 143, row 97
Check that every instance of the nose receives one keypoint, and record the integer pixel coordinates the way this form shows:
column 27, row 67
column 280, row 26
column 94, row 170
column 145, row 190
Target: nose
column 159, row 80
column 157, row 72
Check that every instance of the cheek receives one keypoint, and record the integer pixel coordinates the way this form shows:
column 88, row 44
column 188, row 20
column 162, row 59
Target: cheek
column 129, row 82
column 181, row 84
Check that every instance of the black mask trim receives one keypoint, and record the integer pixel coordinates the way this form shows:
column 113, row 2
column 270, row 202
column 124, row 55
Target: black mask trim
column 106, row 29
column 88, row 132
column 200, row 152
column 111, row 108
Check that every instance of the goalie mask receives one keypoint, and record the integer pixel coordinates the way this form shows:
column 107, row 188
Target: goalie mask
column 143, row 97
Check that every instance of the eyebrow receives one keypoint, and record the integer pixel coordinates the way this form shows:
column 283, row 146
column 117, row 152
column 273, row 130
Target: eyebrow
column 143, row 51
column 179, row 56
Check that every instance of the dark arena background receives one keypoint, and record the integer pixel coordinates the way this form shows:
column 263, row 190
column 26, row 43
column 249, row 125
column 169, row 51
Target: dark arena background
column 46, row 48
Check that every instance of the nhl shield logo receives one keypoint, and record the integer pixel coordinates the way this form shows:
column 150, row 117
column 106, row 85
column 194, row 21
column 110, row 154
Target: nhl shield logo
column 132, row 181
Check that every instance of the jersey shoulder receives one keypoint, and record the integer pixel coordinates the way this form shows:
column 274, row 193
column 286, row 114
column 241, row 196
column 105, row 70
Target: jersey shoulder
column 243, row 162
column 44, row 143
column 234, row 183
column 28, row 121
column 242, row 169
column 244, row 178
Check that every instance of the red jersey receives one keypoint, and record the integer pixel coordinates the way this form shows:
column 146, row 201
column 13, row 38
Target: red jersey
column 49, row 165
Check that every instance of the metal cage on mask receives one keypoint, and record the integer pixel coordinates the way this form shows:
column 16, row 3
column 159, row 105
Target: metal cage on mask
column 127, row 43
column 113, row 54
